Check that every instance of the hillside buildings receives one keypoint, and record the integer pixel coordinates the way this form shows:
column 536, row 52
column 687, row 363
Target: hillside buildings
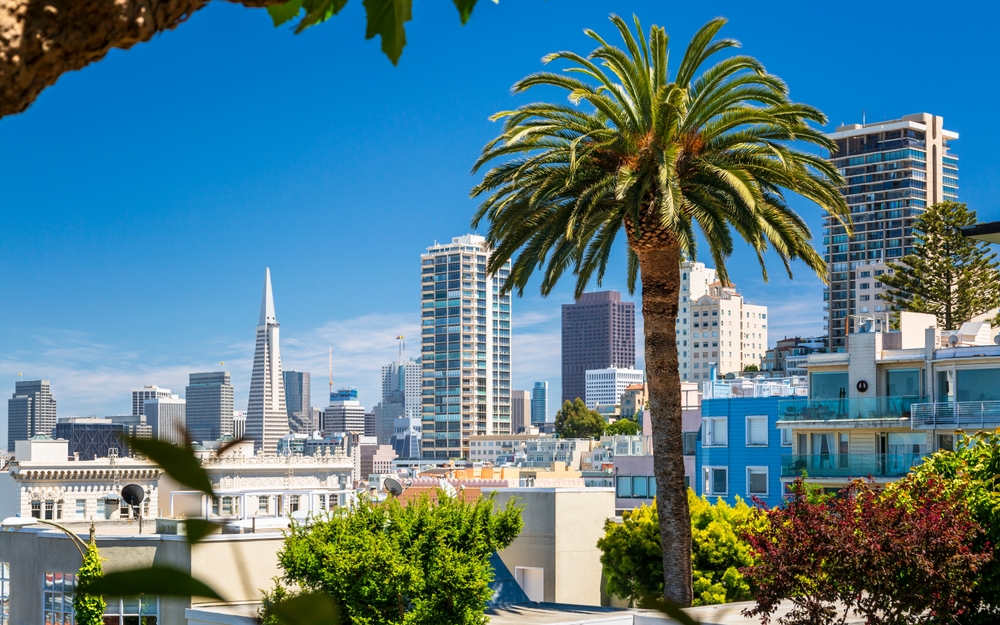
column 209, row 410
column 540, row 402
column 598, row 331
column 789, row 356
column 894, row 170
column 30, row 411
column 267, row 416
column 465, row 347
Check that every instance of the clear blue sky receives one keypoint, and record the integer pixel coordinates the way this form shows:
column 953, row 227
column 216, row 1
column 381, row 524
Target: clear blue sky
column 143, row 196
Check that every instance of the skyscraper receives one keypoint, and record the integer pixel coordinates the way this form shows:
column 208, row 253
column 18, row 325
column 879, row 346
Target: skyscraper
column 400, row 395
column 465, row 347
column 598, row 331
column 267, row 417
column 298, row 402
column 344, row 414
column 695, row 279
column 30, row 411
column 167, row 417
column 209, row 409
column 520, row 410
column 894, row 170
column 140, row 395
column 540, row 402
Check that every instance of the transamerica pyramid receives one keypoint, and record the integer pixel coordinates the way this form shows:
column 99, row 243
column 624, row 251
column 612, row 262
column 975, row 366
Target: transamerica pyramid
column 267, row 419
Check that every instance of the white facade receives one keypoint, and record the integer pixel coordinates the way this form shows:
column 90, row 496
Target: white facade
column 167, row 416
column 140, row 395
column 267, row 418
column 344, row 414
column 726, row 332
column 465, row 347
column 695, row 280
column 239, row 424
column 605, row 386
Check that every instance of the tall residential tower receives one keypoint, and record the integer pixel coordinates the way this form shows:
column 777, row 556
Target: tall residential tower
column 267, row 418
column 465, row 347
column 894, row 170
column 30, row 411
column 598, row 331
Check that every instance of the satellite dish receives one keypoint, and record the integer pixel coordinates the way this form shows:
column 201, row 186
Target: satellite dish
column 393, row 486
column 996, row 339
column 448, row 489
column 953, row 340
column 133, row 494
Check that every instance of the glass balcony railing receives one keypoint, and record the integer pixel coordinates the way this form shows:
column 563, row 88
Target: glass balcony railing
column 956, row 415
column 850, row 465
column 897, row 407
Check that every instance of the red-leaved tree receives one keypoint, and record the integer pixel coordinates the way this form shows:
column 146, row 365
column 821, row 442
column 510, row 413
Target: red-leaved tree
column 893, row 556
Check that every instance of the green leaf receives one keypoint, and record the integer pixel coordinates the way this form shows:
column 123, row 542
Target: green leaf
column 318, row 11
column 180, row 463
column 465, row 9
column 306, row 609
column 386, row 18
column 668, row 608
column 281, row 13
column 163, row 581
column 197, row 529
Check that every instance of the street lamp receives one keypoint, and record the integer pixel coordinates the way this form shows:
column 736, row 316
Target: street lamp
column 16, row 522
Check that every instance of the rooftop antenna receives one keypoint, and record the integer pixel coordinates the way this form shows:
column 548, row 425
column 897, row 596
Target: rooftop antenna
column 402, row 348
column 331, row 370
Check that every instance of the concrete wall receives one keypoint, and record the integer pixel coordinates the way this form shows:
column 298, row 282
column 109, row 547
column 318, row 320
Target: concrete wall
column 249, row 563
column 561, row 529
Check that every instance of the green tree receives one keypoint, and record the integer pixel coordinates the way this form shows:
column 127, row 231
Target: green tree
column 575, row 420
column 89, row 609
column 972, row 472
column 633, row 562
column 622, row 427
column 946, row 274
column 51, row 43
column 656, row 159
column 751, row 368
column 423, row 563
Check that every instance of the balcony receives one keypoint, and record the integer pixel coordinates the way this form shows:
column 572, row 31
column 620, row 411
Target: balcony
column 850, row 466
column 963, row 415
column 868, row 408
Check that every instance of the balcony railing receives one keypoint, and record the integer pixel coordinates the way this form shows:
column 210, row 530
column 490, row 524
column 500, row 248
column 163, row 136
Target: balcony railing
column 955, row 415
column 897, row 407
column 850, row 465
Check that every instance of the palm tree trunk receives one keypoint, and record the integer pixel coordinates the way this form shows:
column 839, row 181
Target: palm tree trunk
column 660, row 273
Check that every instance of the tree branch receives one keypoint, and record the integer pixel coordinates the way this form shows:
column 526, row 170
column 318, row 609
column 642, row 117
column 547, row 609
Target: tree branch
column 40, row 40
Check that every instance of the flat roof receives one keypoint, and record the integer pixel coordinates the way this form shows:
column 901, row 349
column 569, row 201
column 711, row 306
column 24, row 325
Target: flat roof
column 989, row 232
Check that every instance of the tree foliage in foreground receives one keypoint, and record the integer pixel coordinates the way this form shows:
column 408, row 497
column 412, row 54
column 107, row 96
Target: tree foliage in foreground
column 947, row 275
column 661, row 154
column 633, row 562
column 900, row 556
column 575, row 420
column 422, row 563
column 971, row 472
column 88, row 609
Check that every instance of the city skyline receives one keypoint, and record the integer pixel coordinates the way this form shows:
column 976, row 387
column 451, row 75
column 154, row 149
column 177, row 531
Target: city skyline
column 276, row 189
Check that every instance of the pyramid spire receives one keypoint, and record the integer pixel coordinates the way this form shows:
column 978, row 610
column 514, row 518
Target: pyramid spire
column 267, row 302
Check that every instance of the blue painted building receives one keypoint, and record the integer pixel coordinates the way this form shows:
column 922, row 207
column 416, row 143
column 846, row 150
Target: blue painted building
column 739, row 449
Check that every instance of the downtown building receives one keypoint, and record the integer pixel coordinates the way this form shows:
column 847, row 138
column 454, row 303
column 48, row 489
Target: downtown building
column 267, row 417
column 894, row 170
column 140, row 395
column 727, row 333
column 298, row 402
column 540, row 403
column 695, row 280
column 209, row 406
column 30, row 411
column 598, row 331
column 400, row 409
column 465, row 347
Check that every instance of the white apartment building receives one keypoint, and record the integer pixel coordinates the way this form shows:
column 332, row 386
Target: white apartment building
column 465, row 347
column 489, row 448
column 727, row 333
column 695, row 280
column 606, row 386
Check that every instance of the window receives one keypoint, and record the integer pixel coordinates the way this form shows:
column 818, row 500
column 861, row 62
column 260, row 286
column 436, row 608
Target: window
column 757, row 431
column 757, row 481
column 57, row 598
column 134, row 611
column 716, row 432
column 832, row 385
column 293, row 503
column 946, row 442
column 624, row 486
column 690, row 440
column 4, row 593
column 101, row 508
column 322, row 502
column 716, row 480
column 36, row 509
column 81, row 508
column 786, row 437
column 639, row 487
column 903, row 382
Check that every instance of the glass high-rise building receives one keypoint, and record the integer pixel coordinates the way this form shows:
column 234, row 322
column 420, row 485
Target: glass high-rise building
column 540, row 402
column 298, row 403
column 465, row 347
column 209, row 406
column 894, row 170
column 598, row 331
column 30, row 411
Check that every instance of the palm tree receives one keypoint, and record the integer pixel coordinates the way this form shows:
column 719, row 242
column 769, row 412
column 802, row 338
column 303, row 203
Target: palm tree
column 657, row 159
